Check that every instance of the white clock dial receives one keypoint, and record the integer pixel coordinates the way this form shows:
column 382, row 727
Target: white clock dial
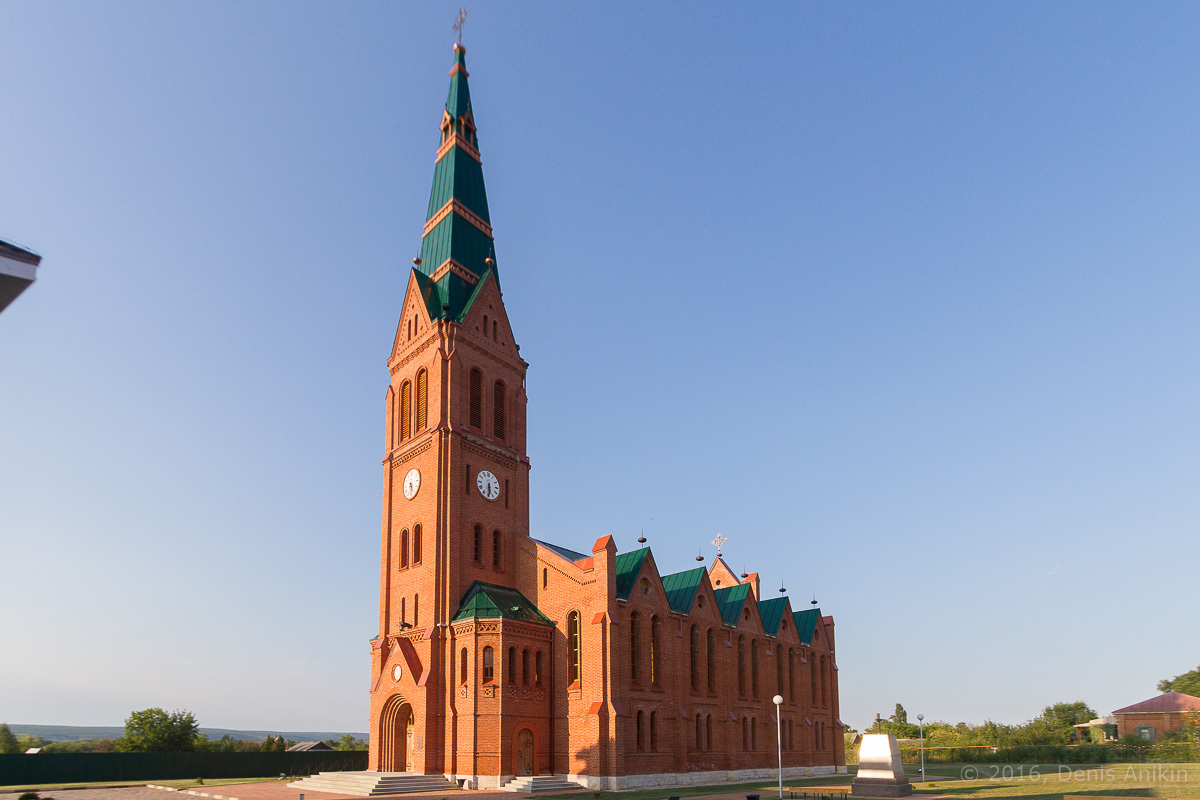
column 489, row 487
column 412, row 482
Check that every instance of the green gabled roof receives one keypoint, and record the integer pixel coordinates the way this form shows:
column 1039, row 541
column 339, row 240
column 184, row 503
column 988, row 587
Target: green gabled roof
column 771, row 612
column 628, row 566
column 489, row 601
column 681, row 588
column 806, row 623
column 730, row 600
column 458, row 176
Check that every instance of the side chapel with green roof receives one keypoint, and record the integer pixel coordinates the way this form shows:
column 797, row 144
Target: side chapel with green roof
column 503, row 660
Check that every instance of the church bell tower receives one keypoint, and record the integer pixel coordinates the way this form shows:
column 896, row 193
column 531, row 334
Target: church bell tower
column 455, row 473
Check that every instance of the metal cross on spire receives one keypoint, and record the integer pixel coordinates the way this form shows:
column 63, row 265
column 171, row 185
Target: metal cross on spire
column 719, row 542
column 459, row 22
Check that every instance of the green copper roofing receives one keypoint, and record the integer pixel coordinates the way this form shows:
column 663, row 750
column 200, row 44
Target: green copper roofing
column 488, row 601
column 458, row 178
column 730, row 600
column 771, row 612
column 681, row 588
column 628, row 566
column 806, row 623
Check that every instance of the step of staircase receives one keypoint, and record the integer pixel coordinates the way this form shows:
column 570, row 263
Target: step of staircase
column 372, row 784
column 532, row 784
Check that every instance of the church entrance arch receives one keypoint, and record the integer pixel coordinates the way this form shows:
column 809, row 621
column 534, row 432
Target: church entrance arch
column 524, row 752
column 396, row 735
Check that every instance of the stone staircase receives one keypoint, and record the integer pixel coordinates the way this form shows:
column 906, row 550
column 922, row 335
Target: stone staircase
column 531, row 784
column 371, row 784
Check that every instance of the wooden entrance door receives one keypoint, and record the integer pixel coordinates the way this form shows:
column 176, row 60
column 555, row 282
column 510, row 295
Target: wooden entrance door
column 524, row 752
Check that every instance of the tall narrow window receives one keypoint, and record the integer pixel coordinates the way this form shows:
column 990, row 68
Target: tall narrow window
column 545, row 577
column 403, row 614
column 405, row 411
column 416, row 610
column 742, row 665
column 791, row 675
column 812, row 671
column 525, row 667
column 496, row 549
column 699, row 733
column 778, row 669
column 478, row 544
column 404, row 548
column 712, row 661
column 745, row 734
column 708, row 731
column 393, row 430
column 694, row 657
column 655, row 652
column 498, row 418
column 573, row 647
column 416, row 544
column 512, row 665
column 537, row 668
column 489, row 668
column 494, row 326
column 641, row 744
column 753, row 733
column 422, row 399
column 476, row 399
column 754, row 668
column 506, row 492
column 653, row 731
column 462, row 670
column 634, row 635
column 468, row 483
column 824, row 681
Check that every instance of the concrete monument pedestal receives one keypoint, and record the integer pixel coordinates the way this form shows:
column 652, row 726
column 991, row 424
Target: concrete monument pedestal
column 880, row 773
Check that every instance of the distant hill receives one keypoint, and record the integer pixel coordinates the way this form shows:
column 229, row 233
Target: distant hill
column 73, row 733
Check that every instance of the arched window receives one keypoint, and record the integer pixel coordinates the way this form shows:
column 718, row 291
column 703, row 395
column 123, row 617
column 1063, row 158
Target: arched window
column 476, row 399
column 778, row 669
column 545, row 577
column 404, row 548
column 699, row 733
column 641, row 743
column 416, row 544
column 525, row 667
column 654, row 651
column 694, row 657
column 403, row 615
column 653, row 730
column 494, row 326
column 498, row 418
column 489, row 668
column 712, row 661
column 537, row 668
column 753, row 733
column 745, row 734
column 824, row 682
column 791, row 736
column 791, row 675
column 422, row 399
column 741, row 665
column 416, row 609
column 462, row 677
column 573, row 647
column 812, row 669
column 754, row 668
column 496, row 549
column 512, row 665
column 405, row 411
column 708, row 731
column 478, row 544
column 634, row 655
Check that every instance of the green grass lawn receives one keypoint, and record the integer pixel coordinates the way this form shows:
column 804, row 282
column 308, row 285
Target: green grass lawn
column 1052, row 782
column 180, row 784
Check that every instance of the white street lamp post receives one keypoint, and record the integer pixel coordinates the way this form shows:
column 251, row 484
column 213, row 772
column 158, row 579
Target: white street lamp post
column 921, row 725
column 778, row 701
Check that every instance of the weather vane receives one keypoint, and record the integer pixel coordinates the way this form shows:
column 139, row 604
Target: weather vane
column 719, row 542
column 459, row 22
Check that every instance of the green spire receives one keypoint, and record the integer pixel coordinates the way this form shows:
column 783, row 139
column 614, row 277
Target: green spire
column 457, row 245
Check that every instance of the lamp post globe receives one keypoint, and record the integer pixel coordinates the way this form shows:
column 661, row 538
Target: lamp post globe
column 921, row 725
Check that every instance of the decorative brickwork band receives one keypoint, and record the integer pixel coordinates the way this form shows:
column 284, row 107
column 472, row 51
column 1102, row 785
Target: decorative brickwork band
column 454, row 206
column 457, row 138
column 450, row 265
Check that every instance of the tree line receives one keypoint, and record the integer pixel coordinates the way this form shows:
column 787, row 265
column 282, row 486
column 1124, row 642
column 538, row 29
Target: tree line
column 153, row 730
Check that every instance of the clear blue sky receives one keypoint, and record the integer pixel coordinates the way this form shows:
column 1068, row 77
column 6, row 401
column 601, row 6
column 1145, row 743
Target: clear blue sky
column 901, row 298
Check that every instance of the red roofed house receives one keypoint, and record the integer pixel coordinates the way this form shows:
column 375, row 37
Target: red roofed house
column 499, row 655
column 1153, row 719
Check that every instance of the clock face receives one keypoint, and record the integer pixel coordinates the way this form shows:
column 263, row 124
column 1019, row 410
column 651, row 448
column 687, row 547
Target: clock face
column 489, row 487
column 412, row 482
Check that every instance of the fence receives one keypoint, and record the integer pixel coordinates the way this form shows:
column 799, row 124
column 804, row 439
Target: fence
column 1165, row 752
column 37, row 768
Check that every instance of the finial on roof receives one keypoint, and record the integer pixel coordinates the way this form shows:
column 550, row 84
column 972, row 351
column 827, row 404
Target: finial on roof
column 416, row 261
column 642, row 537
column 459, row 21
column 781, row 589
column 699, row 557
column 814, row 600
column 719, row 542
column 744, row 573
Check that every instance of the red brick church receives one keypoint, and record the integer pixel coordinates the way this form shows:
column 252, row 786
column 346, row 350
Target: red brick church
column 500, row 655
